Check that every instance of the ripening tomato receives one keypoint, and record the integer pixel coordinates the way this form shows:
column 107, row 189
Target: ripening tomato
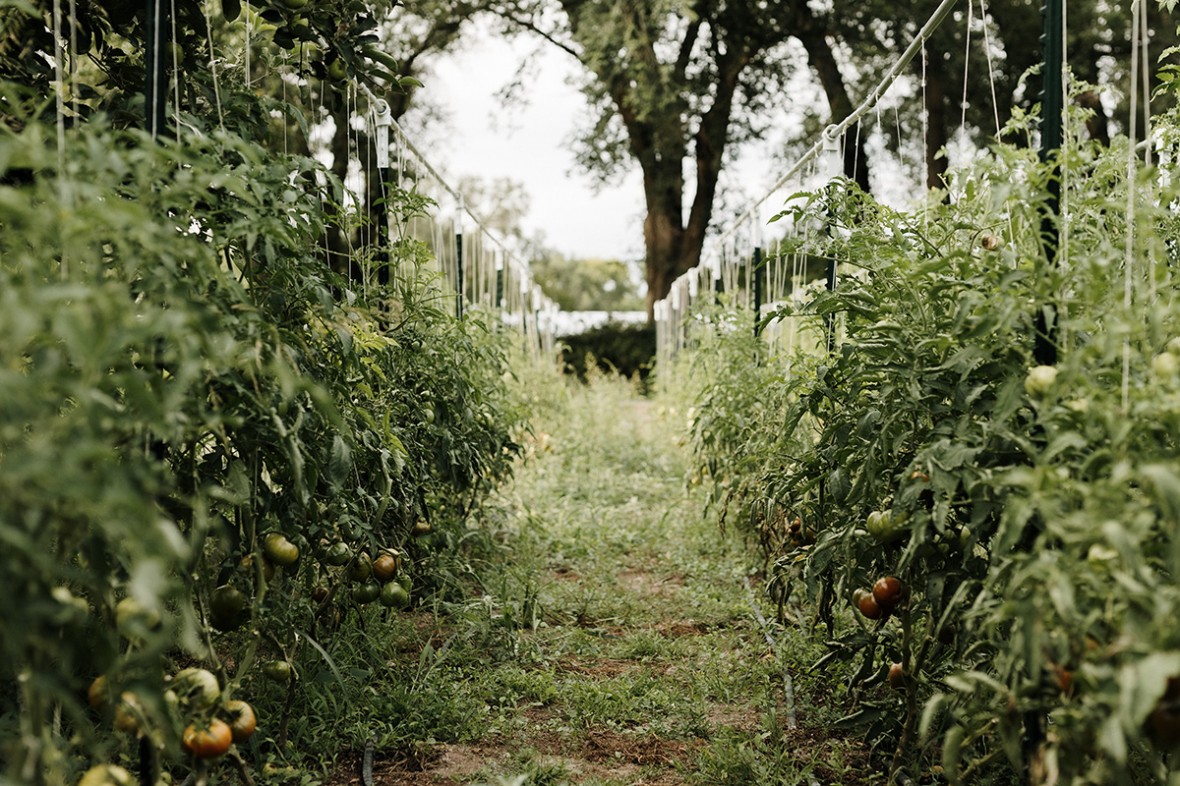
column 897, row 676
column 210, row 741
column 98, row 695
column 866, row 604
column 128, row 712
column 385, row 567
column 1064, row 678
column 242, row 720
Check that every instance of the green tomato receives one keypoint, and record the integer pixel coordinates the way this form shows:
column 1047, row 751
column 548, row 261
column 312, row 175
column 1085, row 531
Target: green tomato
column 366, row 593
column 196, row 688
column 337, row 554
column 227, row 608
column 1039, row 380
column 133, row 618
column 884, row 526
column 279, row 550
column 361, row 568
column 277, row 670
column 337, row 71
column 1165, row 365
column 394, row 595
column 107, row 775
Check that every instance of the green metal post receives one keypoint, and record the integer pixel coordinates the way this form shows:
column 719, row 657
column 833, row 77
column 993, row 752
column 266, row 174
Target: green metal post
column 756, row 272
column 155, row 89
column 1053, row 43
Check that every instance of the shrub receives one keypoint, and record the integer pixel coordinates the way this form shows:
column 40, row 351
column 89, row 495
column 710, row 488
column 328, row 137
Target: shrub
column 628, row 350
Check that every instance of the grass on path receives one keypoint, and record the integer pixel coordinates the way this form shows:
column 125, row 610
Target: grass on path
column 615, row 642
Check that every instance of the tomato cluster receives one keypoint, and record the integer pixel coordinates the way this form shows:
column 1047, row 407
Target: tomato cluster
column 192, row 697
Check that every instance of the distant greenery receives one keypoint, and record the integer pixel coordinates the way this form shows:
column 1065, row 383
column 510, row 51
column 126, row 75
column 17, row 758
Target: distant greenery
column 574, row 284
column 626, row 349
column 587, row 284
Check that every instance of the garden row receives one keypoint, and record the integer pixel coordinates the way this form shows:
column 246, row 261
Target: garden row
column 991, row 545
column 223, row 465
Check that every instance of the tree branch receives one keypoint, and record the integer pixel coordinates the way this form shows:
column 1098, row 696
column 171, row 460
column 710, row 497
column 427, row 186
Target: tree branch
column 530, row 26
column 686, row 47
column 710, row 141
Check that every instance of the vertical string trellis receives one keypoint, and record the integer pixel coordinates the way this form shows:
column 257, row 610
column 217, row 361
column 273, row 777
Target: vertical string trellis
column 382, row 160
column 474, row 266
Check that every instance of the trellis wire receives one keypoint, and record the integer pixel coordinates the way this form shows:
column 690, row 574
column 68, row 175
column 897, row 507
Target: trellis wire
column 493, row 275
column 731, row 267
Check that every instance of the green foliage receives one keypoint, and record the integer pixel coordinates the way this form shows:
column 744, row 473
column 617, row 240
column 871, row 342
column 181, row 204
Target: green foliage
column 105, row 53
column 628, row 350
column 1030, row 515
column 186, row 380
column 587, row 284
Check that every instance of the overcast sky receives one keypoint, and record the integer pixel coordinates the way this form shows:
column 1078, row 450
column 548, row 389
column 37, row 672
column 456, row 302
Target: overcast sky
column 530, row 143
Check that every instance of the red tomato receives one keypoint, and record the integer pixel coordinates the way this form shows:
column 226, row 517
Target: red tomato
column 888, row 592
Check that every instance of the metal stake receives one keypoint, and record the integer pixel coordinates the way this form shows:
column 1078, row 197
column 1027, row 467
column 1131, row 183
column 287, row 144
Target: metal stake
column 155, row 89
column 1053, row 45
column 459, row 261
column 382, row 120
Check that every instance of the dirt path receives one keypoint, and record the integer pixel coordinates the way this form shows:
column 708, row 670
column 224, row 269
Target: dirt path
column 618, row 644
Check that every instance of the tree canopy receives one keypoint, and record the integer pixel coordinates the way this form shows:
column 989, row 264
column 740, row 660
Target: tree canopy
column 673, row 85
column 676, row 85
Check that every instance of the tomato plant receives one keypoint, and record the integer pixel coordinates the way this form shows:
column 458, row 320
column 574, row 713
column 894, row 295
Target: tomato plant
column 199, row 391
column 993, row 535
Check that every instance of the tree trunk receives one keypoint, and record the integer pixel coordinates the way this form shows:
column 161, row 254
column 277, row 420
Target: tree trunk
column 1098, row 125
column 938, row 121
column 672, row 245
column 813, row 36
column 663, row 231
